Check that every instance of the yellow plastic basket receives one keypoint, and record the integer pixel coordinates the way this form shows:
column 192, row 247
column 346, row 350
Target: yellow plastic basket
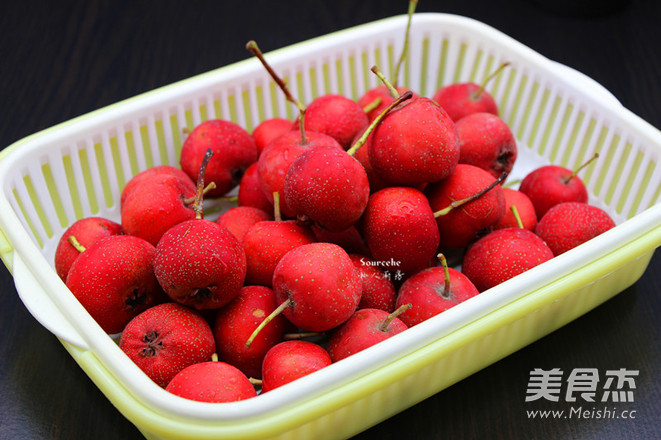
column 559, row 116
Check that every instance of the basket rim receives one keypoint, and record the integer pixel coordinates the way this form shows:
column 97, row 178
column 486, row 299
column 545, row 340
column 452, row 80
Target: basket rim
column 19, row 240
column 122, row 110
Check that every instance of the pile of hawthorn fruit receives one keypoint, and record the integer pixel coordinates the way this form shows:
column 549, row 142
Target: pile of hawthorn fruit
column 338, row 241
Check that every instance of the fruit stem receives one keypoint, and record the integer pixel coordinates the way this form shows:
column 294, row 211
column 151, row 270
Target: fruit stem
column 517, row 217
column 252, row 47
column 223, row 198
column 458, row 203
column 402, row 56
column 301, row 335
column 255, row 381
column 73, row 241
column 386, row 322
column 301, row 126
column 363, row 138
column 276, row 312
column 489, row 78
column 512, row 183
column 446, row 275
column 199, row 196
column 372, row 105
column 276, row 206
column 209, row 187
column 393, row 91
column 214, row 357
column 568, row 179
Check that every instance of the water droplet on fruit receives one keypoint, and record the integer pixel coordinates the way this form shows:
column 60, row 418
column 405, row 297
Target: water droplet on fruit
column 405, row 209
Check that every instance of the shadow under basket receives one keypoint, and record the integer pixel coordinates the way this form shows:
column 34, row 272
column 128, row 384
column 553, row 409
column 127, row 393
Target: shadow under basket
column 559, row 116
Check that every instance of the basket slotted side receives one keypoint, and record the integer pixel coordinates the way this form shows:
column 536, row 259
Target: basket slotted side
column 83, row 175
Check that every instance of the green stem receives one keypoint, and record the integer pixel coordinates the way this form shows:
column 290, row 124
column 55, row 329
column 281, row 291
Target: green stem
column 446, row 275
column 372, row 105
column 268, row 319
column 458, row 203
column 386, row 323
column 517, row 217
column 489, row 78
column 209, row 187
column 568, row 179
column 277, row 215
column 363, row 138
column 512, row 183
column 412, row 5
column 73, row 241
column 393, row 91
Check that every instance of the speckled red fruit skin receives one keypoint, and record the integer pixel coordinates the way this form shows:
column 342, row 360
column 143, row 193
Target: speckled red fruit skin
column 87, row 231
column 415, row 143
column 250, row 191
column 461, row 99
column 265, row 243
column 569, row 224
column 379, row 291
column 399, row 224
column 114, row 280
column 200, row 263
column 328, row 187
column 425, row 291
column 547, row 186
column 156, row 204
column 461, row 225
column 233, row 147
column 383, row 93
column 277, row 157
column 268, row 130
column 337, row 116
column 503, row 254
column 360, row 332
column 241, row 218
column 211, row 381
column 147, row 174
column 524, row 207
column 321, row 282
column 291, row 360
column 235, row 323
column 486, row 141
column 165, row 339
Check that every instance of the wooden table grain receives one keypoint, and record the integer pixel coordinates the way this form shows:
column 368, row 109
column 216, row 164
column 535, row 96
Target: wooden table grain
column 62, row 59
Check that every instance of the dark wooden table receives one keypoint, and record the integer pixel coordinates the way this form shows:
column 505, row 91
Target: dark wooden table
column 62, row 59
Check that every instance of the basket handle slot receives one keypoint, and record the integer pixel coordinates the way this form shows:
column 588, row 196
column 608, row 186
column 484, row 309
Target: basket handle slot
column 41, row 306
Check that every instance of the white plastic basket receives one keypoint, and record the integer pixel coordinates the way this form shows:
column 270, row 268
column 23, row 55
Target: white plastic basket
column 559, row 116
